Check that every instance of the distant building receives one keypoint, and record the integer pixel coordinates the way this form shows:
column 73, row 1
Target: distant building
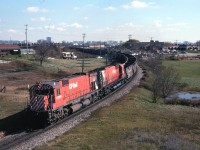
column 96, row 46
column 40, row 41
column 6, row 49
column 48, row 39
column 27, row 51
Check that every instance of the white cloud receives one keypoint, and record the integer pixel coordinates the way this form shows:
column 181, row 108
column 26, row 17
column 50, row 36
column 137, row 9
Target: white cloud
column 108, row 28
column 74, row 25
column 86, row 18
column 169, row 26
column 49, row 27
column 62, row 27
column 93, row 6
column 178, row 24
column 35, row 28
column 132, row 25
column 157, row 23
column 41, row 19
column 90, row 5
column 169, row 18
column 111, row 8
column 124, row 28
column 137, row 4
column 76, row 8
column 172, row 29
column 35, row 10
column 12, row 31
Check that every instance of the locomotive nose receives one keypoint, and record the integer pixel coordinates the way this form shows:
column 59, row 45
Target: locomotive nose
column 37, row 103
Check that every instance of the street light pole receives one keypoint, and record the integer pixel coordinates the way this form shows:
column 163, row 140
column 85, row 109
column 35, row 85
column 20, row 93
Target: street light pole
column 83, row 39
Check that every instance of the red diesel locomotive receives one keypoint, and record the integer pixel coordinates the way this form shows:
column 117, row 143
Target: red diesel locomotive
column 55, row 99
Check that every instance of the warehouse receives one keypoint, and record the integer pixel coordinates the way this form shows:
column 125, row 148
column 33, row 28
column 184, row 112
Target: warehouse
column 6, row 49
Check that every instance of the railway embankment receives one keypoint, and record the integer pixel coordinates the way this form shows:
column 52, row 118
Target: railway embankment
column 62, row 128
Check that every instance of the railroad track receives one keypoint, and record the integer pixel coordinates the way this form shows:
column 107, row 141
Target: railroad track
column 29, row 140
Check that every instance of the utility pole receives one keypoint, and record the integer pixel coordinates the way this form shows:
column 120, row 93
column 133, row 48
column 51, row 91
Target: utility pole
column 198, row 44
column 83, row 52
column 83, row 39
column 26, row 40
column 100, row 50
column 129, row 37
column 177, row 43
column 83, row 59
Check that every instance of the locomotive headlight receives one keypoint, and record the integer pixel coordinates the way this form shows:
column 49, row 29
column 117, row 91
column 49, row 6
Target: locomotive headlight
column 113, row 71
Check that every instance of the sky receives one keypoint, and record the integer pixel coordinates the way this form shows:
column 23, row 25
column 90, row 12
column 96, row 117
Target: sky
column 100, row 20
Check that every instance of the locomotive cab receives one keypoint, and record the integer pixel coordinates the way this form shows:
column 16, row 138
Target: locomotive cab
column 41, row 97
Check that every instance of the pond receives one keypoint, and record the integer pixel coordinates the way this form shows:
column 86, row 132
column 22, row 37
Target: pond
column 189, row 96
column 185, row 95
column 184, row 98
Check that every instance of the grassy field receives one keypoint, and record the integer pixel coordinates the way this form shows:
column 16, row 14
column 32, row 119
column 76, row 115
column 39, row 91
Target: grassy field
column 73, row 66
column 188, row 70
column 134, row 122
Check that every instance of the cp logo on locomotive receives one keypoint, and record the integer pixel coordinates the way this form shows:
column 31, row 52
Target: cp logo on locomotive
column 73, row 85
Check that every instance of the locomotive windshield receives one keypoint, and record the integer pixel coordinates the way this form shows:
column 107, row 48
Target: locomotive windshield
column 41, row 90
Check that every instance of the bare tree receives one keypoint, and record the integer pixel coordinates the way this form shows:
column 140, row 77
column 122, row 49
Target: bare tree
column 44, row 49
column 156, row 83
column 164, row 82
column 169, row 79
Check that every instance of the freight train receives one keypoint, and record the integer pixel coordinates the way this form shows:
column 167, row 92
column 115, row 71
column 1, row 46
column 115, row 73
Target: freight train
column 55, row 99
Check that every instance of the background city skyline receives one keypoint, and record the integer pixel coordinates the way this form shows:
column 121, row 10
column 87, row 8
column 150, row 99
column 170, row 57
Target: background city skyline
column 100, row 20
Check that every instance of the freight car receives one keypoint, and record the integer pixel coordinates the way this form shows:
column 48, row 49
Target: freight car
column 55, row 99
